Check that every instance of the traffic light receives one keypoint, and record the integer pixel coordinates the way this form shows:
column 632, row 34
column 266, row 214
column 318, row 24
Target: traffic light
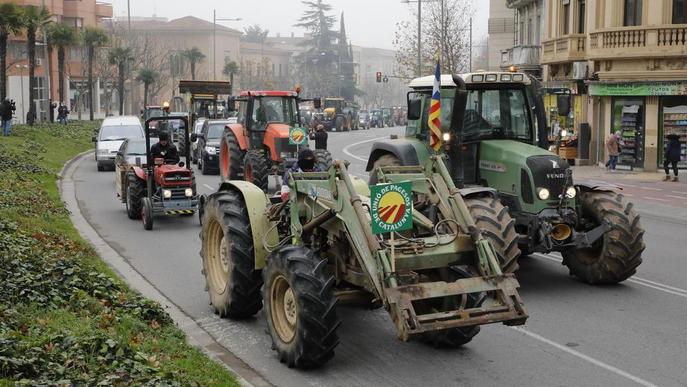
column 379, row 77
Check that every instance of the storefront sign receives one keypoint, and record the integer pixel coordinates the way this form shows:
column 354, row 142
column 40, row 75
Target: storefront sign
column 638, row 89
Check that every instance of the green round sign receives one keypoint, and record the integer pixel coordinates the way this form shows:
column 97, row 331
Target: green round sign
column 391, row 207
column 297, row 136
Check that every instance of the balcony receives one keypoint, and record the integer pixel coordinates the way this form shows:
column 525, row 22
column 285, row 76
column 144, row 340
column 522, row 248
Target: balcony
column 639, row 42
column 103, row 10
column 514, row 4
column 524, row 57
column 568, row 48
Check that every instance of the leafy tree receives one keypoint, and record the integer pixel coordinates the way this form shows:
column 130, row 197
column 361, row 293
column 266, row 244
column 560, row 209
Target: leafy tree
column 93, row 38
column 229, row 70
column 34, row 18
column 120, row 57
column 10, row 22
column 194, row 56
column 317, row 62
column 62, row 36
column 255, row 34
column 148, row 77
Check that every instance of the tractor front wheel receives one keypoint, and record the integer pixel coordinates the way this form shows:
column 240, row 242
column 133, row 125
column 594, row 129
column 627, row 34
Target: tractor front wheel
column 301, row 307
column 323, row 159
column 135, row 192
column 256, row 170
column 147, row 213
column 339, row 124
column 615, row 257
column 227, row 251
column 387, row 160
column 230, row 158
column 496, row 224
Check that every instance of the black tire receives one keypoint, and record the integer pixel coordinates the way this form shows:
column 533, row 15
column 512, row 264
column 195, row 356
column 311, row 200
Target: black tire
column 194, row 157
column 314, row 321
column 230, row 158
column 227, row 240
column 385, row 160
column 339, row 124
column 135, row 192
column 203, row 168
column 256, row 169
column 324, row 159
column 147, row 213
column 101, row 167
column 493, row 219
column 615, row 257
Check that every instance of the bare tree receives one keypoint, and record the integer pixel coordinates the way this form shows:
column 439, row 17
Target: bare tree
column 445, row 35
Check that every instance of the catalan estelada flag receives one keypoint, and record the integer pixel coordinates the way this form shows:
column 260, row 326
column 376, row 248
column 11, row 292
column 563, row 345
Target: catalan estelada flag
column 435, row 111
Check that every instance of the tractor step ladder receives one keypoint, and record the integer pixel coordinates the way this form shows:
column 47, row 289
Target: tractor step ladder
column 502, row 304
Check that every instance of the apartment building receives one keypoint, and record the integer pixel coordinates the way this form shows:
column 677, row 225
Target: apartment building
column 501, row 26
column 625, row 63
column 528, row 26
column 78, row 13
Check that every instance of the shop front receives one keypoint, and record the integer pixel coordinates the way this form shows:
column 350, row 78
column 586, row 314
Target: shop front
column 644, row 113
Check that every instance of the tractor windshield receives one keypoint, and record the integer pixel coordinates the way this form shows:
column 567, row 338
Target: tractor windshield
column 333, row 103
column 274, row 110
column 496, row 113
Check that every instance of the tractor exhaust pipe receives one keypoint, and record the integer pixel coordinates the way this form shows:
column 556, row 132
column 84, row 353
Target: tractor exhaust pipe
column 561, row 232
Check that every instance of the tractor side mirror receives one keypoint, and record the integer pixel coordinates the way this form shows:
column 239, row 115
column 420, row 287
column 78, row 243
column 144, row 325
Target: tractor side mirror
column 414, row 109
column 194, row 137
column 317, row 103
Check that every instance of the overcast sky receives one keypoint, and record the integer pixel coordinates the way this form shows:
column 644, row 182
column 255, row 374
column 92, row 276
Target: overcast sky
column 370, row 23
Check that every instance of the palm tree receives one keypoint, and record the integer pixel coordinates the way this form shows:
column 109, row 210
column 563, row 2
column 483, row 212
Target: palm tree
column 93, row 38
column 120, row 57
column 148, row 77
column 10, row 23
column 62, row 36
column 34, row 18
column 194, row 56
column 230, row 68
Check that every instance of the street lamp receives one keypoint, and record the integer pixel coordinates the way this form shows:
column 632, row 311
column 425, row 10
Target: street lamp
column 214, row 40
column 21, row 82
column 419, row 29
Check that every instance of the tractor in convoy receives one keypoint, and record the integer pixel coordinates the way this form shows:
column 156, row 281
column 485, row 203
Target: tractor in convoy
column 339, row 115
column 493, row 131
column 258, row 144
column 158, row 188
column 437, row 275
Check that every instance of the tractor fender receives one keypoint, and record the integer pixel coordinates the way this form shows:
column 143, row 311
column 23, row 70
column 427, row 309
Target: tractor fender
column 478, row 192
column 262, row 229
column 240, row 133
column 586, row 187
column 404, row 150
column 140, row 172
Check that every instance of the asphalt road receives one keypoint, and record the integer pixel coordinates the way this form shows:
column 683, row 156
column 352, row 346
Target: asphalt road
column 577, row 335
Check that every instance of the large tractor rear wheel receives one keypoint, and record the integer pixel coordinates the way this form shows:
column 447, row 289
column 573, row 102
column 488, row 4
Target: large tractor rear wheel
column 323, row 159
column 301, row 307
column 227, row 250
column 135, row 192
column 230, row 158
column 339, row 123
column 493, row 219
column 256, row 170
column 387, row 160
column 615, row 257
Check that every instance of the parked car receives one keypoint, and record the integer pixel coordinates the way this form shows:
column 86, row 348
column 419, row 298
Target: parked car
column 131, row 152
column 208, row 145
column 113, row 131
column 197, row 129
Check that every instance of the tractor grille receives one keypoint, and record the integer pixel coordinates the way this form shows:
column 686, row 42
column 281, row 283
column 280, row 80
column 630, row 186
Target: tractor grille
column 178, row 176
column 178, row 193
column 282, row 145
column 549, row 172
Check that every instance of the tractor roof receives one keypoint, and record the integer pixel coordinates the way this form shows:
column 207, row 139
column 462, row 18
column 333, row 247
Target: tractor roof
column 268, row 93
column 471, row 78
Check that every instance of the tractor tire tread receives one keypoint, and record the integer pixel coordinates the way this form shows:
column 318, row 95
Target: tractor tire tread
column 496, row 224
column 260, row 168
column 135, row 192
column 236, row 157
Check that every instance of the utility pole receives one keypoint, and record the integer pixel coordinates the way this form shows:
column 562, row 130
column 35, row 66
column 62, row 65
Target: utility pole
column 419, row 38
column 214, row 40
column 470, row 64
column 443, row 36
column 128, row 13
column 46, row 70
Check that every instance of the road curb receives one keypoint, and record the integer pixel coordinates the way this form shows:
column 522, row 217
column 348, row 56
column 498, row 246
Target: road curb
column 196, row 335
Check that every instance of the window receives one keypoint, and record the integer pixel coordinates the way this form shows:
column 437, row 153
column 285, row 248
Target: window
column 566, row 17
column 679, row 12
column 521, row 33
column 215, row 130
column 633, row 13
column 274, row 109
column 529, row 31
column 580, row 16
column 537, row 32
column 496, row 114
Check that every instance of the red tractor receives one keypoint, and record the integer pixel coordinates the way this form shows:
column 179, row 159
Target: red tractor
column 258, row 145
column 159, row 188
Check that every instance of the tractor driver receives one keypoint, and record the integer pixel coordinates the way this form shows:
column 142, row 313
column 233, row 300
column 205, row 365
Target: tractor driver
column 164, row 149
column 306, row 163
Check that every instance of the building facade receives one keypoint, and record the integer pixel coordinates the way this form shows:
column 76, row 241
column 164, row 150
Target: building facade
column 528, row 28
column 78, row 14
column 501, row 26
column 625, row 62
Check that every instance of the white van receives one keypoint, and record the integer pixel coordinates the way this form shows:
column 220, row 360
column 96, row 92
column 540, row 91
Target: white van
column 113, row 131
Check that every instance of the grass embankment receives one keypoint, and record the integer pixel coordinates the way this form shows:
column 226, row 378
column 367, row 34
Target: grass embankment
column 65, row 318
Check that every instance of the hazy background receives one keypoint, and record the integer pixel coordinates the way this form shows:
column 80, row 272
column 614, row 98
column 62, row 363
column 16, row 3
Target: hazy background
column 370, row 23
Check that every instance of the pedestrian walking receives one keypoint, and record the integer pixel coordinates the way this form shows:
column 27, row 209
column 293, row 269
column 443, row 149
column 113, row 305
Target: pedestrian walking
column 613, row 150
column 62, row 114
column 672, row 155
column 7, row 109
column 321, row 137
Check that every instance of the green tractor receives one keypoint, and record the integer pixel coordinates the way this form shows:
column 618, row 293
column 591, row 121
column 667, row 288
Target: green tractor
column 496, row 158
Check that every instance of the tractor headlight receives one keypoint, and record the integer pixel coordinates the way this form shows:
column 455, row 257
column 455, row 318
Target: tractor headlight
column 188, row 192
column 446, row 136
column 570, row 193
column 166, row 193
column 210, row 149
column 543, row 193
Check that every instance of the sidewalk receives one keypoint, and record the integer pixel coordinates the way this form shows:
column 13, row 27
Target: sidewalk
column 594, row 172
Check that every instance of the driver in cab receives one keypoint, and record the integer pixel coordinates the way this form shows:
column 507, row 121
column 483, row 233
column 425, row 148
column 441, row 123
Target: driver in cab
column 164, row 149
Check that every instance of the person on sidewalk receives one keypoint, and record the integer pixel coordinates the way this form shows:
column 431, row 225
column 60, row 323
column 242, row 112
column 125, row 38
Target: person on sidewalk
column 613, row 150
column 7, row 109
column 62, row 114
column 320, row 137
column 672, row 157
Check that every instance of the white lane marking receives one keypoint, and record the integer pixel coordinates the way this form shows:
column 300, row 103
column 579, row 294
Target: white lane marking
column 208, row 187
column 653, row 198
column 677, row 197
column 346, row 149
column 636, row 280
column 680, row 192
column 587, row 358
column 651, row 188
column 627, row 194
column 626, row 185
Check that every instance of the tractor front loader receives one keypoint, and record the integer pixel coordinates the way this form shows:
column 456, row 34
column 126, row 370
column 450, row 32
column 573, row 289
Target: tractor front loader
column 439, row 280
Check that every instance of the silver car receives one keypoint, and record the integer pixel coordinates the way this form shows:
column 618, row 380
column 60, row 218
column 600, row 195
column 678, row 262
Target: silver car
column 113, row 131
column 197, row 129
